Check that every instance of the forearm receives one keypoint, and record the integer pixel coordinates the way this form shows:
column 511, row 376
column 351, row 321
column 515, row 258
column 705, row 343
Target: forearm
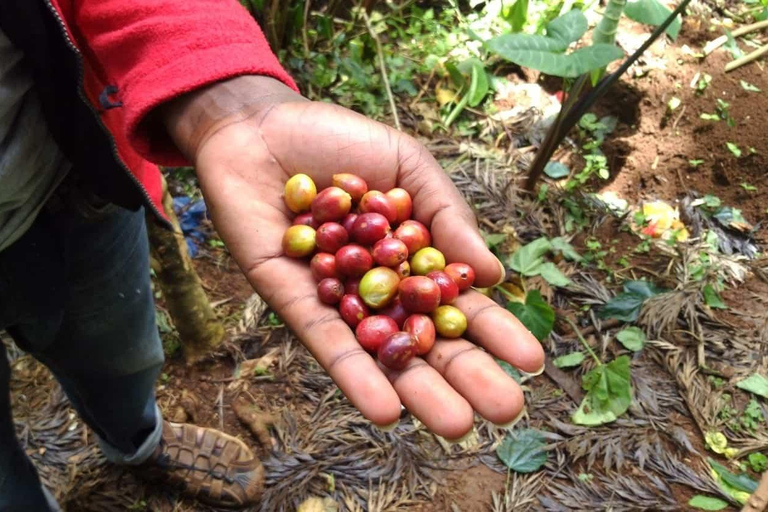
column 191, row 119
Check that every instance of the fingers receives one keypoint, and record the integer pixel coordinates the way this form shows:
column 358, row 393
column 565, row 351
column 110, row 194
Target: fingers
column 499, row 332
column 477, row 377
column 427, row 395
column 288, row 287
column 438, row 204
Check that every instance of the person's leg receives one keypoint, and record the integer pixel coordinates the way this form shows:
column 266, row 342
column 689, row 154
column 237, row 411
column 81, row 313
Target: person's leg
column 106, row 352
column 20, row 265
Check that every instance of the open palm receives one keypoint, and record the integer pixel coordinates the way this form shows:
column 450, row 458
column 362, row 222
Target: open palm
column 243, row 167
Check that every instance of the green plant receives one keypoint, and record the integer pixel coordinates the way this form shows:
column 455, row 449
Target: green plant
column 576, row 104
column 608, row 387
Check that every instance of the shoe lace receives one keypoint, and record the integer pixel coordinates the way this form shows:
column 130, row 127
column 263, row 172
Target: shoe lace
column 166, row 462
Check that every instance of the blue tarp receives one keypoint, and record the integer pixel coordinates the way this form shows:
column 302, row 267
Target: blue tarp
column 191, row 216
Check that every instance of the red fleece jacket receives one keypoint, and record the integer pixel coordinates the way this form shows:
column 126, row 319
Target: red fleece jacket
column 152, row 51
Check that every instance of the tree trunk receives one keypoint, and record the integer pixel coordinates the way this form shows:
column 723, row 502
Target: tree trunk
column 199, row 328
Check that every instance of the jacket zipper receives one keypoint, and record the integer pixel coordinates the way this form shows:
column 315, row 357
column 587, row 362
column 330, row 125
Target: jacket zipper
column 81, row 93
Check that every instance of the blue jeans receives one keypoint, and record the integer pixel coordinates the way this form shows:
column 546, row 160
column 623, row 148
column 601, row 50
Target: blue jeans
column 75, row 293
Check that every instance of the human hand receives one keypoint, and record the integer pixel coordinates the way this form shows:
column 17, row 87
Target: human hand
column 246, row 137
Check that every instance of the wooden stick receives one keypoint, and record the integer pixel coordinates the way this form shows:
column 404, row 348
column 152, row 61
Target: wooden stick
column 746, row 29
column 759, row 499
column 383, row 69
column 746, row 59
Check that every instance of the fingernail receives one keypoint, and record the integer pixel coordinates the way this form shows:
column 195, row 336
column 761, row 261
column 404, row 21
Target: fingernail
column 503, row 273
column 536, row 373
column 508, row 426
column 462, row 438
column 388, row 428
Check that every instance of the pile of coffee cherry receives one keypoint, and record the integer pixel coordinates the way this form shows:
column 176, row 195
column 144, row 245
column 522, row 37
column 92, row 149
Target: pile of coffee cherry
column 376, row 264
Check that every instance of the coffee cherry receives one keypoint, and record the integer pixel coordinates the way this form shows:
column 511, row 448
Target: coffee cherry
column 369, row 228
column 389, row 252
column 449, row 321
column 403, row 270
column 331, row 205
column 330, row 290
column 462, row 274
column 414, row 234
column 298, row 241
column 353, row 310
column 331, row 237
column 300, row 190
column 378, row 287
column 427, row 260
column 423, row 329
column 373, row 330
column 378, row 202
column 396, row 311
column 305, row 219
column 403, row 204
column 353, row 185
column 353, row 261
column 323, row 265
column 348, row 221
column 419, row 294
column 397, row 350
column 449, row 290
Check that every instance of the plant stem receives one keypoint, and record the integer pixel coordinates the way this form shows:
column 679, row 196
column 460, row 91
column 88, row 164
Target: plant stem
column 746, row 59
column 720, row 41
column 505, row 292
column 383, row 69
column 457, row 109
column 583, row 341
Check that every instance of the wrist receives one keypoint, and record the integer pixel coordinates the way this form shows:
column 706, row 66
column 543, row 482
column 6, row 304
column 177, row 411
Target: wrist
column 192, row 118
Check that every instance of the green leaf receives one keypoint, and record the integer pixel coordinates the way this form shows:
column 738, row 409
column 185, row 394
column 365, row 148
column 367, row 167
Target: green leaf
column 552, row 274
column 652, row 12
column 626, row 306
column 456, row 77
column 731, row 45
column 695, row 163
column 510, row 370
column 556, row 170
column 494, row 239
column 523, row 451
column 547, row 53
column 743, row 482
column 529, row 257
column 478, row 87
column 712, row 298
column 559, row 244
column 709, row 117
column 758, row 462
column 707, row 503
column 756, row 384
column 569, row 27
column 517, row 15
column 748, row 187
column 536, row 315
column 733, row 148
column 569, row 360
column 633, row 338
column 748, row 86
column 609, row 393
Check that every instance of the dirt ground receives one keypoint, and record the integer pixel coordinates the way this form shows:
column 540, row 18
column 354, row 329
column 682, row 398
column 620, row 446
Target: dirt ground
column 649, row 157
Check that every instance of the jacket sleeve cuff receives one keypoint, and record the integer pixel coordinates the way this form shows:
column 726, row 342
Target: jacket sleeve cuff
column 192, row 71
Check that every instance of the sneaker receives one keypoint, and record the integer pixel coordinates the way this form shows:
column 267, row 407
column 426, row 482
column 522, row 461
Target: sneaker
column 207, row 465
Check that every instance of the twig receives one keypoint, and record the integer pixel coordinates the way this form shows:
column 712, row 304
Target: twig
column 383, row 69
column 746, row 29
column 677, row 120
column 221, row 407
column 759, row 499
column 304, row 27
column 746, row 59
column 583, row 341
